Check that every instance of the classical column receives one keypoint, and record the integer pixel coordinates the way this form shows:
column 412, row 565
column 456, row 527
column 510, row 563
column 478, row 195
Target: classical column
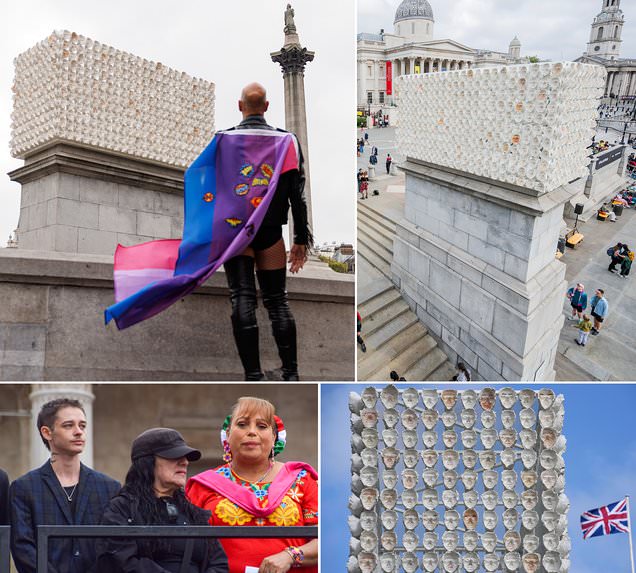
column 362, row 98
column 411, row 65
column 43, row 393
column 292, row 58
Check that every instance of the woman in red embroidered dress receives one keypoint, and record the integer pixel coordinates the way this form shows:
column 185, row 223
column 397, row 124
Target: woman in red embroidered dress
column 251, row 488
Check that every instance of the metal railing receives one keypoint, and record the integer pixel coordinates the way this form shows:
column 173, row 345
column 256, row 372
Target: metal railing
column 5, row 531
column 46, row 532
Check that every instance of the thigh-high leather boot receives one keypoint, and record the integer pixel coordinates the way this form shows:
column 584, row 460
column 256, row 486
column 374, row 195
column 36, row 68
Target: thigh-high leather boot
column 272, row 285
column 240, row 278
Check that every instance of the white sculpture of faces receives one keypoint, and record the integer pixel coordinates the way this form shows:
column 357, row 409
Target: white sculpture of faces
column 429, row 417
column 429, row 541
column 389, row 396
column 369, row 497
column 369, row 397
column 547, row 418
column 529, row 478
column 468, row 418
column 388, row 498
column 490, row 478
column 429, row 398
column 526, row 397
column 550, row 500
column 449, row 438
column 409, row 419
column 368, row 541
column 488, row 419
column 489, row 541
column 487, row 459
column 487, row 398
column 546, row 398
column 469, row 398
column 490, row 498
column 509, row 479
column 508, row 437
column 528, row 458
column 552, row 562
column 471, row 539
column 429, row 437
column 387, row 562
column 529, row 499
column 563, row 504
column 469, row 478
column 491, row 561
column 390, row 457
column 508, row 418
column 356, row 424
column 507, row 397
column 368, row 520
column 469, row 458
column 530, row 562
column 512, row 540
column 549, row 478
column 429, row 457
column 551, row 541
column 369, row 476
column 369, row 457
column 429, row 561
column 490, row 520
column 366, row 562
column 409, row 540
column 548, row 438
column 510, row 498
column 355, row 505
column 369, row 417
column 471, row 562
column 370, row 438
column 389, row 478
column 470, row 519
column 410, row 519
column 450, row 478
column 409, row 478
column 450, row 561
column 450, row 540
column 430, row 519
column 409, row 438
column 488, row 438
column 391, row 418
column 409, row 498
column 548, row 459
column 409, row 562
column 508, row 457
column 450, row 459
column 430, row 499
column 469, row 439
column 449, row 418
column 510, row 518
column 390, row 437
column 450, row 498
column 530, row 519
column 429, row 475
column 470, row 498
column 530, row 543
column 528, row 438
column 388, row 540
column 528, row 418
column 410, row 397
column 512, row 561
column 410, row 458
column 449, row 398
column 550, row 520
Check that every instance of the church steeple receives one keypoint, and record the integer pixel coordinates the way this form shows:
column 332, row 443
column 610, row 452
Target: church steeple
column 605, row 38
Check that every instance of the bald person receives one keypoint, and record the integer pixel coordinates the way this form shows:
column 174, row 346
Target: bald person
column 266, row 254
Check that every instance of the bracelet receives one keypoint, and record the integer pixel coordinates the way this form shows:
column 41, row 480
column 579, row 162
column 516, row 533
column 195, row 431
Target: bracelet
column 296, row 554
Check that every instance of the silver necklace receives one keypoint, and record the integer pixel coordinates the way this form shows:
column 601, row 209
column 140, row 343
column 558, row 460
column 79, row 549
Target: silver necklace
column 70, row 496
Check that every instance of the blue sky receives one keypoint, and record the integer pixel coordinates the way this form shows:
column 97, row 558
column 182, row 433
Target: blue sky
column 600, row 468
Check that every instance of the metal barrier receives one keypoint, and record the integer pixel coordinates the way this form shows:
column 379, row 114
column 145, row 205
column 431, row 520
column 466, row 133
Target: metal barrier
column 45, row 532
column 5, row 562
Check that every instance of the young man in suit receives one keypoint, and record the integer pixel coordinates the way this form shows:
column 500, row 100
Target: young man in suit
column 61, row 492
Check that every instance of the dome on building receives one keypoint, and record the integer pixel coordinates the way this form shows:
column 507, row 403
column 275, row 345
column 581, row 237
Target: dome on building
column 515, row 42
column 410, row 9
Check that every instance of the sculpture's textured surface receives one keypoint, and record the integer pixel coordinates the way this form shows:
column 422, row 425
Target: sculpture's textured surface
column 71, row 88
column 448, row 480
column 525, row 125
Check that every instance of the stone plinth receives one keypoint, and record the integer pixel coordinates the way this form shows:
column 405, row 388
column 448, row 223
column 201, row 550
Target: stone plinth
column 52, row 325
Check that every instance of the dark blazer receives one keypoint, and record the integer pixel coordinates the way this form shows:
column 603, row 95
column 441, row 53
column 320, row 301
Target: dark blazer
column 37, row 498
column 4, row 498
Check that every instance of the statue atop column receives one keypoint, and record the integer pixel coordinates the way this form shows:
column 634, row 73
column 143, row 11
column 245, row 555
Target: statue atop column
column 290, row 26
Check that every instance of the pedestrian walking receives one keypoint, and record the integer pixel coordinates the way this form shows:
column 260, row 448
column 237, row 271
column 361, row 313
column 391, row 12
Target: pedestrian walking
column 389, row 160
column 373, row 160
column 366, row 136
column 585, row 327
column 578, row 300
column 626, row 264
column 600, row 308
column 364, row 185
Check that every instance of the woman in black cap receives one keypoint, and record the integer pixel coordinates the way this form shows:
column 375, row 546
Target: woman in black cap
column 153, row 495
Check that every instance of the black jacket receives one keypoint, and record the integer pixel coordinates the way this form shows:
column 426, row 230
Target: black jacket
column 4, row 498
column 290, row 191
column 130, row 555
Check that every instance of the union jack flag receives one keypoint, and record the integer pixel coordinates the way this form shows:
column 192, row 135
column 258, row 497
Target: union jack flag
column 611, row 518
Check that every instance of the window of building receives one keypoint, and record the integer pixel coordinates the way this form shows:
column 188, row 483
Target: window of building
column 382, row 74
column 412, row 27
column 381, row 97
column 616, row 32
column 369, row 71
column 600, row 33
column 428, row 27
column 369, row 97
column 398, row 30
column 597, row 48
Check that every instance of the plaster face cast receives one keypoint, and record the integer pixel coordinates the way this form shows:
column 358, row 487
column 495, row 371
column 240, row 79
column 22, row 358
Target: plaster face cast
column 429, row 562
column 468, row 418
column 528, row 418
column 409, row 540
column 510, row 518
column 508, row 418
column 388, row 498
column 430, row 519
column 528, row 438
column 530, row 519
column 429, row 437
column 369, row 477
column 546, row 398
column 368, row 520
column 449, row 438
column 410, row 397
column 488, row 438
column 355, row 505
column 487, row 398
column 409, row 562
column 409, row 438
column 369, row 397
column 529, row 478
column 450, row 459
column 389, row 457
column 487, row 460
column 530, row 543
column 389, row 519
column 469, row 478
column 548, row 438
column 409, row 498
column 369, row 457
column 389, row 478
column 390, row 437
column 490, row 520
column 387, row 562
column 508, row 437
column 470, row 498
column 450, row 539
column 470, row 519
column 450, row 498
column 491, row 562
column 410, row 458
column 469, row 439
column 429, row 457
column 409, row 479
column 449, row 418
column 370, row 438
column 449, row 398
column 429, row 475
column 450, row 561
column 369, row 417
column 469, row 398
column 410, row 519
column 429, row 397
column 510, row 498
column 430, row 499
column 507, row 397
column 367, row 562
column 430, row 417
column 429, row 541
column 552, row 562
column 489, row 499
column 529, row 458
column 409, row 419
column 529, row 499
column 368, row 541
column 530, row 562
column 391, row 418
column 512, row 561
column 471, row 539
column 450, row 478
column 550, row 520
column 547, row 418
column 369, row 497
column 389, row 396
column 548, row 459
column 507, row 457
column 489, row 541
column 488, row 419
column 512, row 540
column 388, row 540
column 550, row 500
column 490, row 478
column 551, row 541
column 526, row 397
column 509, row 479
column 469, row 457
column 470, row 562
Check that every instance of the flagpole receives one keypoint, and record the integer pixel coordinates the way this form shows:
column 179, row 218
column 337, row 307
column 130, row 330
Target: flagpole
column 631, row 546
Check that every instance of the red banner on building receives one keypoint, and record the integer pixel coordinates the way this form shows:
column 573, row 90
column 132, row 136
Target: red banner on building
column 389, row 78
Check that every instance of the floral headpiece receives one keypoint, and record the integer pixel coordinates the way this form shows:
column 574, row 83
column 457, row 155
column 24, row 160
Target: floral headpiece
column 279, row 442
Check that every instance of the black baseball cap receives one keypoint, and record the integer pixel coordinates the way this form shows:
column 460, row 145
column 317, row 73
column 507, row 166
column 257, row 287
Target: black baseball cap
column 163, row 442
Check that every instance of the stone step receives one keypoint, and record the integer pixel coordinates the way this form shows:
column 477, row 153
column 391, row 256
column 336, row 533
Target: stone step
column 444, row 373
column 366, row 220
column 380, row 301
column 380, row 243
column 378, row 217
column 427, row 367
column 374, row 260
column 389, row 322
column 367, row 246
column 378, row 359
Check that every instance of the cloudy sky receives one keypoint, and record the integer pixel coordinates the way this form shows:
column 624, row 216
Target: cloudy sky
column 600, row 467
column 229, row 44
column 551, row 29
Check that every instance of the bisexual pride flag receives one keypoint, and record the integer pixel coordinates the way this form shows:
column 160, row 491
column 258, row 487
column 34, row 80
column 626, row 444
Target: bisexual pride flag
column 228, row 189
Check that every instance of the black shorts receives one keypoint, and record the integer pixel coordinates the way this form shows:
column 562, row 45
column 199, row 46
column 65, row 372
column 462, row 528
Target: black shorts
column 266, row 237
column 577, row 307
column 597, row 317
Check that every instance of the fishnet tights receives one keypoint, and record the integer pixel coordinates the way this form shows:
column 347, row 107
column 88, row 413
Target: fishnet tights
column 270, row 259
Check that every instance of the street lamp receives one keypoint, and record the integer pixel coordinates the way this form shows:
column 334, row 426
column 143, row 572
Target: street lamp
column 623, row 137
